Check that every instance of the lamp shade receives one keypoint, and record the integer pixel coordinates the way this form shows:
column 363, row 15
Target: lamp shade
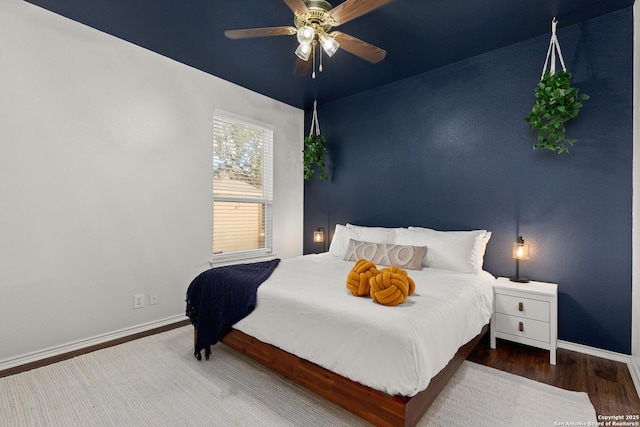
column 305, row 34
column 318, row 235
column 329, row 45
column 304, row 51
column 520, row 249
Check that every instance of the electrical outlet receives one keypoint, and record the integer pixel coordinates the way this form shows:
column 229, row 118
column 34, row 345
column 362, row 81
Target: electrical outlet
column 138, row 301
column 153, row 298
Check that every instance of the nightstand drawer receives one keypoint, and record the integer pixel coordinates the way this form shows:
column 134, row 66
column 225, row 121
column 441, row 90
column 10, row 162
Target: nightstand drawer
column 531, row 329
column 522, row 307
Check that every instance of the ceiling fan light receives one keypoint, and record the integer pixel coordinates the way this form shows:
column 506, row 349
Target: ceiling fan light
column 304, row 51
column 329, row 44
column 306, row 34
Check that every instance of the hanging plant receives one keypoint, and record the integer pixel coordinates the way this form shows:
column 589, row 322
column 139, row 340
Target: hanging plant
column 314, row 149
column 556, row 102
column 314, row 152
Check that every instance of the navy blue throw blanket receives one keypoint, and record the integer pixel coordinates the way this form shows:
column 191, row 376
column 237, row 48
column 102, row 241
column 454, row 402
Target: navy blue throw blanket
column 222, row 296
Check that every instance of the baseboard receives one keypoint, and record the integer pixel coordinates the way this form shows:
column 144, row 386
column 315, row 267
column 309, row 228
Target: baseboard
column 593, row 351
column 80, row 346
column 634, row 370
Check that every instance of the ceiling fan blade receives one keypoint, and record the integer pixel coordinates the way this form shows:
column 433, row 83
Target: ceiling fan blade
column 297, row 6
column 359, row 48
column 352, row 9
column 302, row 68
column 260, row 32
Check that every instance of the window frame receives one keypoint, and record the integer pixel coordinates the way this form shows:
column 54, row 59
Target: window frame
column 266, row 252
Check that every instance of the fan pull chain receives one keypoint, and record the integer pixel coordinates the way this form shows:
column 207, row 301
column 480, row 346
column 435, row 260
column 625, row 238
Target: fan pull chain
column 320, row 67
column 313, row 54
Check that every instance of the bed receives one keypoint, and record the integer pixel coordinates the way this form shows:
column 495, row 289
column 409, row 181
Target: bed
column 385, row 364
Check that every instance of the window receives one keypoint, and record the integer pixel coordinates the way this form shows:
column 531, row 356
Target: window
column 242, row 187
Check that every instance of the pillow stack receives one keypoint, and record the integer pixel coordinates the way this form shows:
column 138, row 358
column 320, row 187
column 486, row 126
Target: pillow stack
column 412, row 248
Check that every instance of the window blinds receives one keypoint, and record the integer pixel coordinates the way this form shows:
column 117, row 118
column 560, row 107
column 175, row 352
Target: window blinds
column 242, row 186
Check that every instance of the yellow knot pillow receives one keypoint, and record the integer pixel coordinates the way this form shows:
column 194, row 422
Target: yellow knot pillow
column 391, row 286
column 358, row 278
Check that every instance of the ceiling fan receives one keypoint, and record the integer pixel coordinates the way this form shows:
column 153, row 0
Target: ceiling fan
column 313, row 20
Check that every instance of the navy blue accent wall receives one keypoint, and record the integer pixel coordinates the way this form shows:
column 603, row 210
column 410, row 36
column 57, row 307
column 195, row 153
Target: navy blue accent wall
column 449, row 149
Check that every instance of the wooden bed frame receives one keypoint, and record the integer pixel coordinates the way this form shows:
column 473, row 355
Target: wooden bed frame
column 371, row 405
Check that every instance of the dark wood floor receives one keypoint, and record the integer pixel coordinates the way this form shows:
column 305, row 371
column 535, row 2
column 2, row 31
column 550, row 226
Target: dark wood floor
column 608, row 383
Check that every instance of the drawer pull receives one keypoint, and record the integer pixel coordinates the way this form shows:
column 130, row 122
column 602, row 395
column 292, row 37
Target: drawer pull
column 520, row 306
column 521, row 327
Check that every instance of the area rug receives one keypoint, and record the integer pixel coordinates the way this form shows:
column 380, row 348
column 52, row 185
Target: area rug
column 156, row 381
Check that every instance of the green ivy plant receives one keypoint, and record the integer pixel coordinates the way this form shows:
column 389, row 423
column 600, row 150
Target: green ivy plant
column 314, row 152
column 556, row 102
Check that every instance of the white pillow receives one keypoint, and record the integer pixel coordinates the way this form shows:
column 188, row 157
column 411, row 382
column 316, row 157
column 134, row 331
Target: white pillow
column 340, row 241
column 373, row 234
column 342, row 234
column 447, row 250
column 483, row 248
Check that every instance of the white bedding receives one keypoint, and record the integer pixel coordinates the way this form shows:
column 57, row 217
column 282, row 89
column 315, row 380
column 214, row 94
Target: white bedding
column 305, row 309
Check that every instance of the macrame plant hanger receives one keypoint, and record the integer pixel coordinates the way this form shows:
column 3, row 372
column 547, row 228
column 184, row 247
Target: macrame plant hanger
column 315, row 124
column 314, row 147
column 554, row 48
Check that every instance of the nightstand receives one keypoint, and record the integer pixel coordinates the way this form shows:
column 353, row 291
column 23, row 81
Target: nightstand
column 526, row 313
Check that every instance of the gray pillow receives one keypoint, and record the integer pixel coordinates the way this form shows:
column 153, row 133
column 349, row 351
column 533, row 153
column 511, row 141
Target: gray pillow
column 409, row 257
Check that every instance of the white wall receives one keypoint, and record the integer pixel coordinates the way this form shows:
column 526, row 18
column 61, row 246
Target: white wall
column 105, row 180
column 635, row 320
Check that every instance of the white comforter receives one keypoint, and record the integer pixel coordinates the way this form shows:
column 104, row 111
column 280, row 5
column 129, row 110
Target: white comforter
column 305, row 309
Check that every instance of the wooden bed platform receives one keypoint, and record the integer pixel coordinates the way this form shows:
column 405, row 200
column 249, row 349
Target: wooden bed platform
column 371, row 405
